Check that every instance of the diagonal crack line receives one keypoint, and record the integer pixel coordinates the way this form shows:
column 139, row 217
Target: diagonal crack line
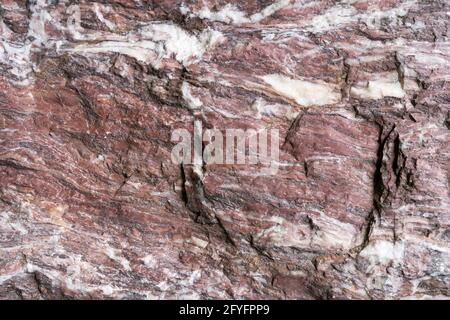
column 378, row 189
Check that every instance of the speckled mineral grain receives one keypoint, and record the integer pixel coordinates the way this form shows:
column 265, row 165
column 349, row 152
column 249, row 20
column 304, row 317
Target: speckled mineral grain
column 91, row 205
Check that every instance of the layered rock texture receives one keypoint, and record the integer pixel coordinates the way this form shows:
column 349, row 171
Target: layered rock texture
column 92, row 206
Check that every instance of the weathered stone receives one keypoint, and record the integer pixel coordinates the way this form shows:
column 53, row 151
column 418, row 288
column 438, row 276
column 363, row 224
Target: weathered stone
column 91, row 205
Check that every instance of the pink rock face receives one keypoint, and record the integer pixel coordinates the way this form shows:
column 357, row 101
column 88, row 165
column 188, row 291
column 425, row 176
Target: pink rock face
column 92, row 206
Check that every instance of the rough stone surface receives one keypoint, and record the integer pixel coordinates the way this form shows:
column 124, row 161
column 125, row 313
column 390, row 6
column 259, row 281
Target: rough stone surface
column 91, row 205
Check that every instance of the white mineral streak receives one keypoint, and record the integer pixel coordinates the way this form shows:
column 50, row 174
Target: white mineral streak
column 111, row 253
column 15, row 55
column 262, row 108
column 150, row 261
column 98, row 11
column 156, row 42
column 435, row 59
column 192, row 102
column 305, row 93
column 382, row 85
column 343, row 14
column 333, row 234
column 231, row 14
column 18, row 55
column 383, row 251
column 199, row 242
column 150, row 45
